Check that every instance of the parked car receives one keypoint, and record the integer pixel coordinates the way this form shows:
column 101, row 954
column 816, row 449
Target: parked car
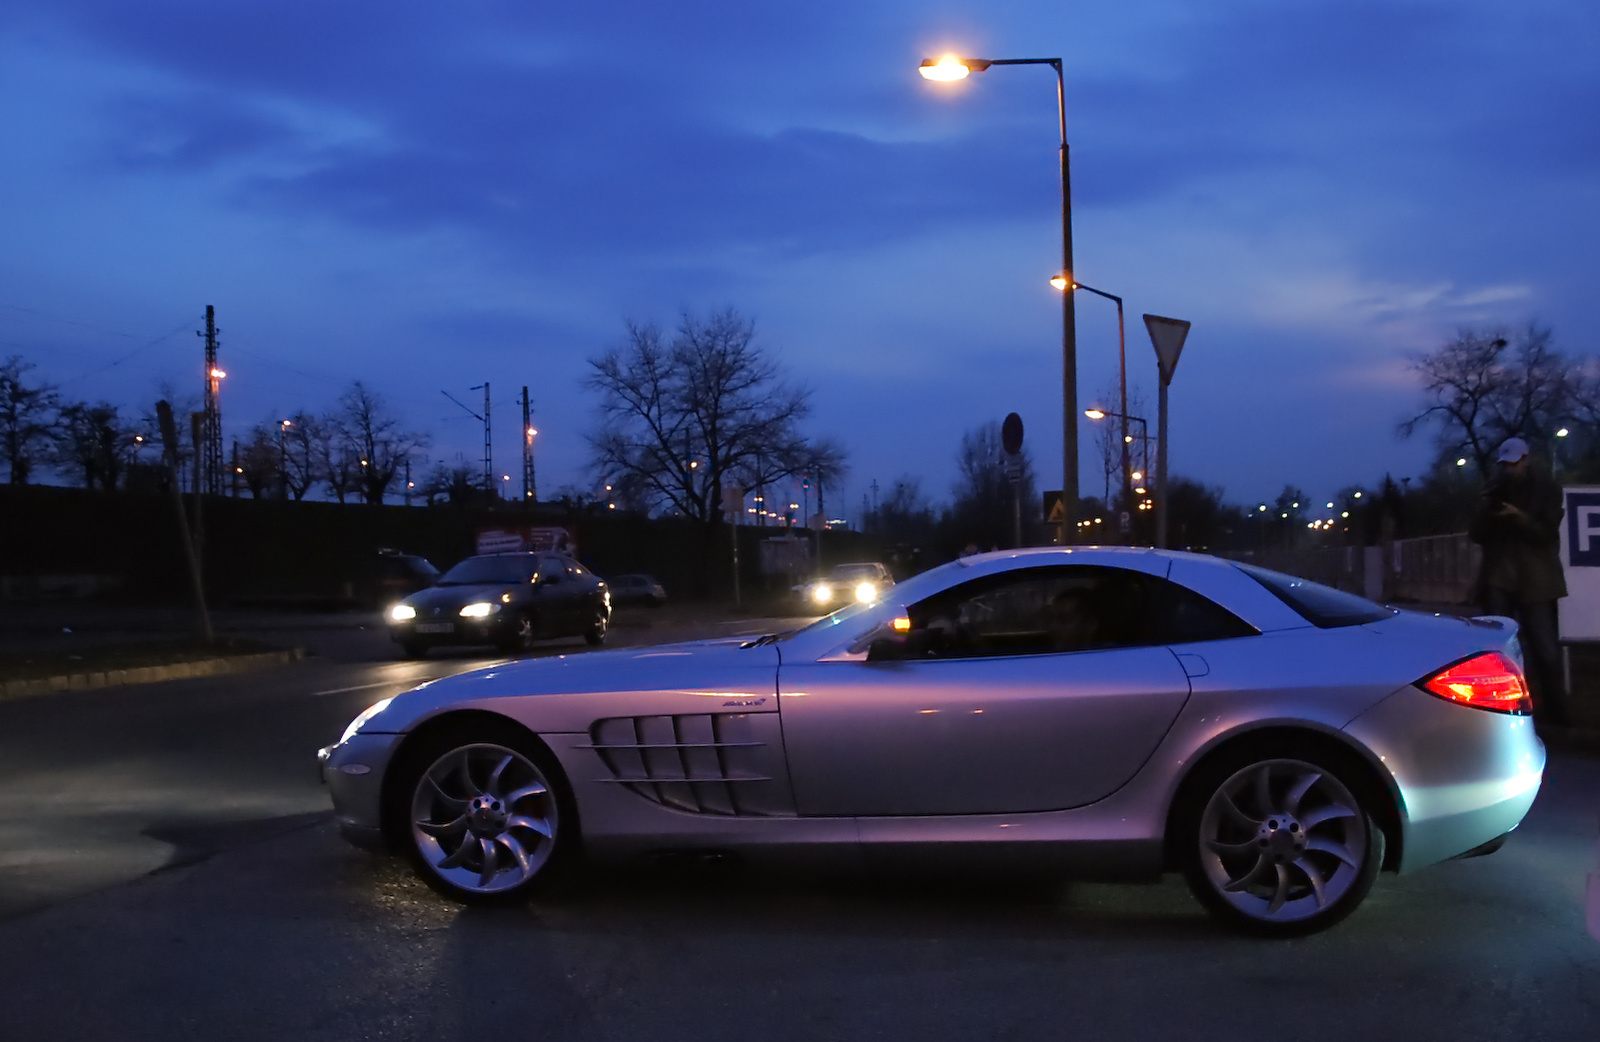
column 637, row 589
column 505, row 600
column 401, row 574
column 1114, row 711
column 859, row 581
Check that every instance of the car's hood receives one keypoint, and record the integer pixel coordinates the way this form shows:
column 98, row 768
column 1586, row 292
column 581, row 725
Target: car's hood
column 456, row 596
column 569, row 692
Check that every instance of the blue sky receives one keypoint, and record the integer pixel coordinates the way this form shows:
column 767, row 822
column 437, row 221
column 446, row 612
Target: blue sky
column 427, row 196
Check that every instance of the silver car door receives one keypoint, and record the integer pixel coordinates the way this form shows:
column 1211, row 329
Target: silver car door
column 979, row 727
column 974, row 735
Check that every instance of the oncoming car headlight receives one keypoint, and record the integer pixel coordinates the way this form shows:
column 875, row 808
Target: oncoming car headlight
column 866, row 592
column 366, row 714
column 402, row 613
column 478, row 610
column 822, row 593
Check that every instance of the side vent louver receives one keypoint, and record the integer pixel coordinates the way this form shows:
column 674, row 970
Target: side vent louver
column 697, row 763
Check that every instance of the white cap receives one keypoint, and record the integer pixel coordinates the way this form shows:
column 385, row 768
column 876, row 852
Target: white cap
column 1511, row 450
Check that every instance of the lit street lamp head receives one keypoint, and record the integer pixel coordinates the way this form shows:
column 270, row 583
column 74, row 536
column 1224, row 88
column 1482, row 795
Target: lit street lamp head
column 950, row 68
column 1095, row 414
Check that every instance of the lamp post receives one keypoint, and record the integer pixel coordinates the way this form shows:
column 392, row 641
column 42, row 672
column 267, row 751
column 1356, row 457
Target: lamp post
column 949, row 69
column 1097, row 413
column 1065, row 283
column 283, row 458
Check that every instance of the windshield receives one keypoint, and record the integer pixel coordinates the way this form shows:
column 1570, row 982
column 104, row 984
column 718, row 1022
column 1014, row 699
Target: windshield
column 906, row 593
column 1322, row 606
column 849, row 572
column 475, row 570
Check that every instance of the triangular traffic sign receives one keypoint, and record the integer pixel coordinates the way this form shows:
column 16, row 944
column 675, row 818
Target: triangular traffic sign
column 1168, row 335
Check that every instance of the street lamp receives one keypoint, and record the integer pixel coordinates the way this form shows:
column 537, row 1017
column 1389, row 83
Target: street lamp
column 283, row 459
column 1065, row 283
column 949, row 69
column 1097, row 413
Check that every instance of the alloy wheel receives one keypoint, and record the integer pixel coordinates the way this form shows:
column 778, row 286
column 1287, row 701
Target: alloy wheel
column 1284, row 844
column 484, row 820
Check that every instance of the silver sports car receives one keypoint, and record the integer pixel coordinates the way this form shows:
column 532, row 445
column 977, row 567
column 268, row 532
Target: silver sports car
column 1115, row 712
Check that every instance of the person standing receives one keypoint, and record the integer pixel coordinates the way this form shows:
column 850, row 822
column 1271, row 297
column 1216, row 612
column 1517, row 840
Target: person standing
column 1518, row 524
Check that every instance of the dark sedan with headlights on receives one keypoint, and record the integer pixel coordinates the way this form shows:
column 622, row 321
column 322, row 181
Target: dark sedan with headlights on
column 504, row 600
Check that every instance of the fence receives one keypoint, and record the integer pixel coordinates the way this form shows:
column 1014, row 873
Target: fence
column 1437, row 569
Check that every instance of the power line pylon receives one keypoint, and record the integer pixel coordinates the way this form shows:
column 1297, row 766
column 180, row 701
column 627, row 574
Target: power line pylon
column 209, row 449
column 530, row 486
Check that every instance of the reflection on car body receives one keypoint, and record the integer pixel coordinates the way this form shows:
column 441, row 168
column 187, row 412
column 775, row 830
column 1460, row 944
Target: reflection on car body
column 1275, row 741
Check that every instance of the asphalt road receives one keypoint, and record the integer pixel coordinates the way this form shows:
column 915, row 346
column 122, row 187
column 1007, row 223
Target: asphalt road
column 169, row 870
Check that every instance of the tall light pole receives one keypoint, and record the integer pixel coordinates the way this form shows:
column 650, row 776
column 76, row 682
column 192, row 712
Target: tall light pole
column 949, row 69
column 1097, row 413
column 1064, row 283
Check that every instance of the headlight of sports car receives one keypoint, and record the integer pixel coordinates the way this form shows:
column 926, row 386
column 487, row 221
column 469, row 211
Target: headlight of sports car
column 822, row 593
column 366, row 714
column 402, row 613
column 866, row 592
column 478, row 610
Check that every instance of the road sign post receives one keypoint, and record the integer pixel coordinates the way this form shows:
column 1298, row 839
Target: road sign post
column 1168, row 335
column 1011, row 442
column 732, row 508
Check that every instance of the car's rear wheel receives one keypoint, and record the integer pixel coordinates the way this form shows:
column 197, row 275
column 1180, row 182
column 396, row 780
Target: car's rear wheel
column 1277, row 846
column 596, row 633
column 484, row 814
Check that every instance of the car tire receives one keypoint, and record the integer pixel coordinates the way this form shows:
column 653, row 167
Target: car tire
column 519, row 636
column 595, row 635
column 483, row 813
column 412, row 649
column 1277, row 846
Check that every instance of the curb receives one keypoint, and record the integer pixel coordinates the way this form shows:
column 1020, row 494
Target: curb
column 208, row 667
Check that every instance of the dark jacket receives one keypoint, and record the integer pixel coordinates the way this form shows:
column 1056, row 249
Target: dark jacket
column 1521, row 552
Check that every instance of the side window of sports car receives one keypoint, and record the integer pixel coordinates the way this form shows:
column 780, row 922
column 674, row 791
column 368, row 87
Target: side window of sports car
column 1056, row 610
column 1026, row 612
column 1174, row 614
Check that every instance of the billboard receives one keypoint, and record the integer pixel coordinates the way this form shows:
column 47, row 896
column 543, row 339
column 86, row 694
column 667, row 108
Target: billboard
column 1580, row 560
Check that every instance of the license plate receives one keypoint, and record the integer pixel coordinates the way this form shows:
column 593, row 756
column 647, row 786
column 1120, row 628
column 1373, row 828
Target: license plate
column 436, row 627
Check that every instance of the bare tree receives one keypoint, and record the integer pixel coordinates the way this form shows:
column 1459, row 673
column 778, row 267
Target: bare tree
column 682, row 420
column 383, row 445
column 1482, row 388
column 335, row 456
column 258, row 462
column 457, row 484
column 28, row 417
column 301, row 459
column 905, row 514
column 93, row 440
column 983, row 510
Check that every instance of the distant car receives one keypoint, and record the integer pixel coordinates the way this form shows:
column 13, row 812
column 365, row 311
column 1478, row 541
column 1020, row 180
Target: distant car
column 1111, row 712
column 637, row 589
column 846, row 584
column 504, row 600
column 400, row 575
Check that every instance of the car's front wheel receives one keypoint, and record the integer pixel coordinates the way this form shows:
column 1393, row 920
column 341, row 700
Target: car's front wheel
column 596, row 633
column 1277, row 846
column 484, row 814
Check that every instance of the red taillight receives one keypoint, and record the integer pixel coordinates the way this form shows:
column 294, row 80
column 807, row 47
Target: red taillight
column 1488, row 681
